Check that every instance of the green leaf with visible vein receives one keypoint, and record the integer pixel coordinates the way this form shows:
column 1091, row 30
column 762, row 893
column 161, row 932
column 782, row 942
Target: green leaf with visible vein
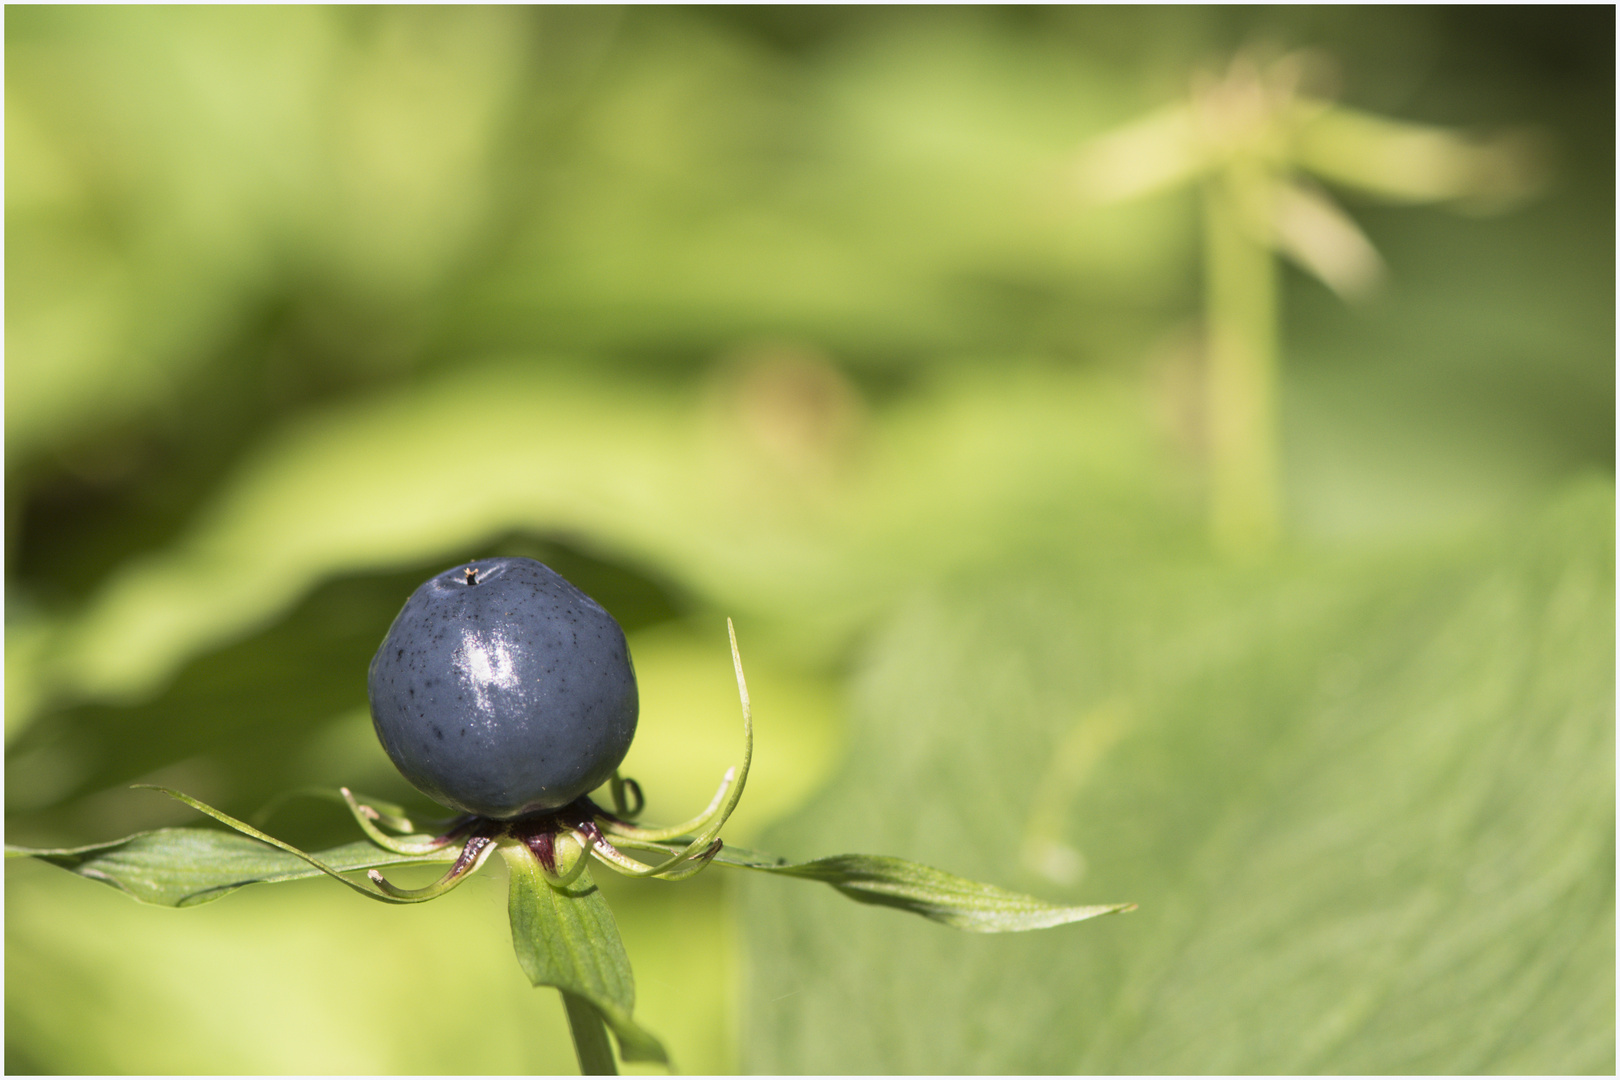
column 567, row 938
column 921, row 890
column 184, row 867
column 1367, row 806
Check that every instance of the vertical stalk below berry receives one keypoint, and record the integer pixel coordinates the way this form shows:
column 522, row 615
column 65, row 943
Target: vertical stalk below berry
column 590, row 1037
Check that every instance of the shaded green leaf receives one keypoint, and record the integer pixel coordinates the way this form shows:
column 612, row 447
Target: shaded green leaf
column 566, row 937
column 183, row 867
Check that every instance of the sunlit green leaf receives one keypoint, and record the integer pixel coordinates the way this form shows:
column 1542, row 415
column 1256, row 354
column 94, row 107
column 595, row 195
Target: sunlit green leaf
column 1366, row 806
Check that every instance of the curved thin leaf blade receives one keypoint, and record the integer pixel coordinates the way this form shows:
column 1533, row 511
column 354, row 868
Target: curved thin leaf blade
column 567, row 938
column 185, row 867
column 934, row 894
column 922, row 890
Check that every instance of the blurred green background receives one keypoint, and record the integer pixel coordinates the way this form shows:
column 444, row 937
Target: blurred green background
column 792, row 315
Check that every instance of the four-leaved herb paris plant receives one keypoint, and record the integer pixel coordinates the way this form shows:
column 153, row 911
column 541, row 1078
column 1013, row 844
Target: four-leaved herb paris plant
column 507, row 694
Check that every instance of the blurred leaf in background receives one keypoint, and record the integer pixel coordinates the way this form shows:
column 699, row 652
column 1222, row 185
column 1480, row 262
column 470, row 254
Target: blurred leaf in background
column 1368, row 807
column 795, row 315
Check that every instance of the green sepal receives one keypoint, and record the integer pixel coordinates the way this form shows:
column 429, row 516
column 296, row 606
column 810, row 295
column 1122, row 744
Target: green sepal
column 705, row 828
column 921, row 890
column 185, row 867
column 566, row 937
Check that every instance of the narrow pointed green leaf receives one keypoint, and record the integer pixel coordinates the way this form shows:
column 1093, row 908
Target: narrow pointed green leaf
column 1144, row 157
column 567, row 938
column 1317, row 234
column 921, row 890
column 1416, row 163
column 248, row 830
column 934, row 894
column 184, row 867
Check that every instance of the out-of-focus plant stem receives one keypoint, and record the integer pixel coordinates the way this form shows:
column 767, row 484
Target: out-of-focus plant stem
column 1240, row 388
column 1246, row 139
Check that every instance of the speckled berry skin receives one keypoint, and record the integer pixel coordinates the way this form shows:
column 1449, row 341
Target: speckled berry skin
column 502, row 690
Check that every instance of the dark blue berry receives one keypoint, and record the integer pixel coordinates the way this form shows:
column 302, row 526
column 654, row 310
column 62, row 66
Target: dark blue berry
column 502, row 690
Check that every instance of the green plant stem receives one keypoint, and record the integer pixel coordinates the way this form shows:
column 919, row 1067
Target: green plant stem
column 1241, row 372
column 590, row 1037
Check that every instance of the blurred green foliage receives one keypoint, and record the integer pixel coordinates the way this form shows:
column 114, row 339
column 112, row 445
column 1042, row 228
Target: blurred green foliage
column 1335, row 782
column 794, row 315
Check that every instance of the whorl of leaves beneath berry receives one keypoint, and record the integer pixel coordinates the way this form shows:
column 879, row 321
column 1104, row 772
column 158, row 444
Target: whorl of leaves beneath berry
column 183, row 867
